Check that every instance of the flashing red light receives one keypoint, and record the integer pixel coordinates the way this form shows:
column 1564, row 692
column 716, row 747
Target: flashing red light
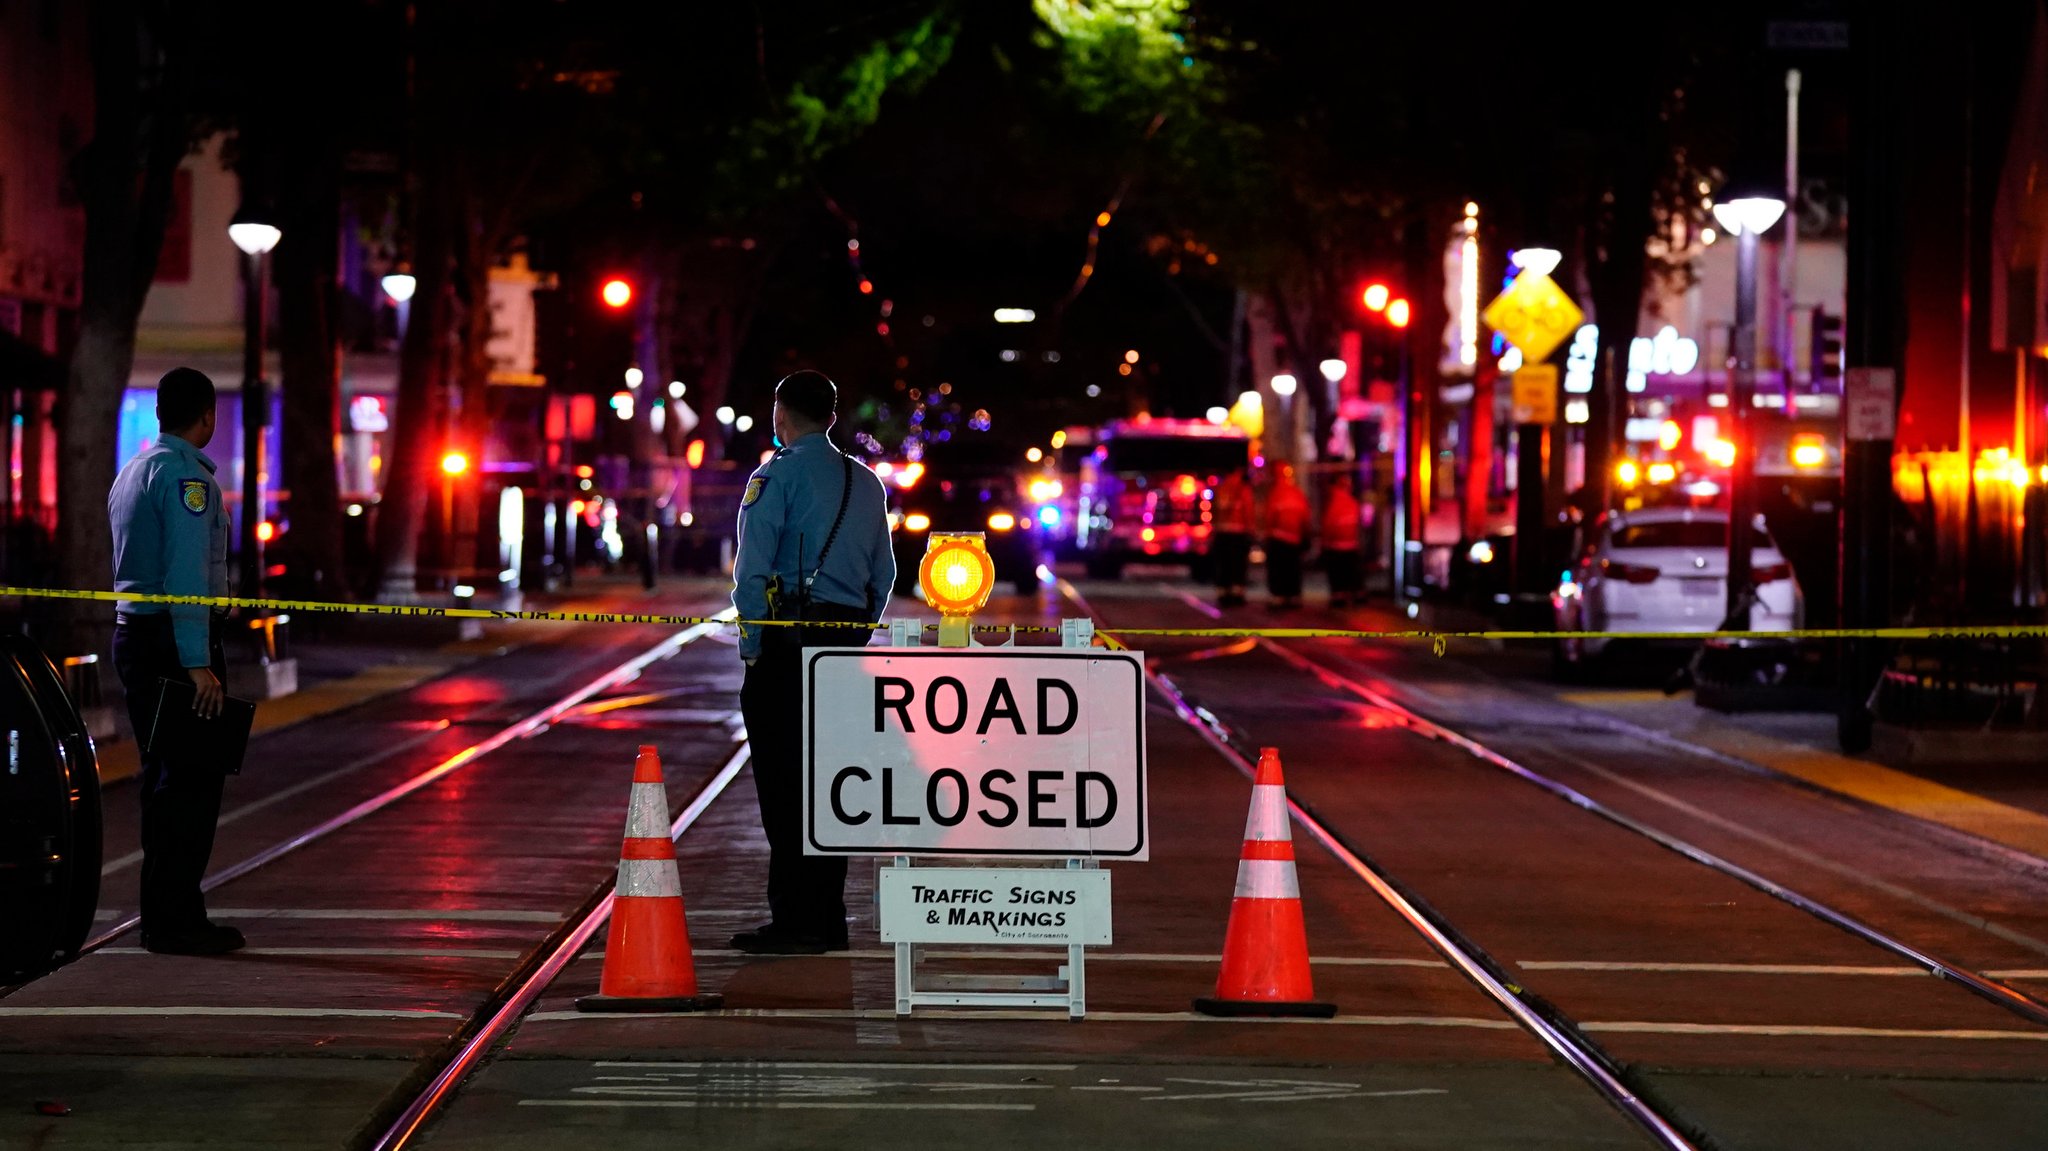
column 266, row 531
column 1375, row 297
column 454, row 463
column 617, row 293
column 867, row 287
column 1398, row 313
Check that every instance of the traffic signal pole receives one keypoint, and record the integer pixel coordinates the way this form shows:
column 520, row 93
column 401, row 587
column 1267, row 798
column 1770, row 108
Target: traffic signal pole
column 1876, row 331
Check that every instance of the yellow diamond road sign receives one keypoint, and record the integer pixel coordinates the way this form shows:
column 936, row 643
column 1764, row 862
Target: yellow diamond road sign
column 1534, row 315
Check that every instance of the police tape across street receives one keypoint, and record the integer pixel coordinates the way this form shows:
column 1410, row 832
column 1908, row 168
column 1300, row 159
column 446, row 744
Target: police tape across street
column 1437, row 638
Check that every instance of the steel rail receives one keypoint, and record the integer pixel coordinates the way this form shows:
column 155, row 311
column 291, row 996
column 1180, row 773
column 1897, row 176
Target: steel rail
column 531, row 724
column 2012, row 999
column 1572, row 1048
column 536, row 980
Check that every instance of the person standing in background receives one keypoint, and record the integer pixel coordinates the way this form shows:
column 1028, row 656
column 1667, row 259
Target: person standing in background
column 1230, row 542
column 1341, row 544
column 1286, row 537
column 171, row 537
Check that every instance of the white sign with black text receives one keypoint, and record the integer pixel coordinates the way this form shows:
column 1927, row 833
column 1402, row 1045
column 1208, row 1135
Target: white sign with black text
column 991, row 752
column 994, row 905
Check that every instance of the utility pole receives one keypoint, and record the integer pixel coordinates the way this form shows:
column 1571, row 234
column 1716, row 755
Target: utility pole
column 1876, row 338
column 1788, row 255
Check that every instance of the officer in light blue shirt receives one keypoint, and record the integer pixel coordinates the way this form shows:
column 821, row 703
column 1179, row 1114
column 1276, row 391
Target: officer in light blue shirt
column 813, row 546
column 171, row 538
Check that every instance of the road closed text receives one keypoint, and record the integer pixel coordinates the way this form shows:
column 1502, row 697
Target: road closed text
column 998, row 753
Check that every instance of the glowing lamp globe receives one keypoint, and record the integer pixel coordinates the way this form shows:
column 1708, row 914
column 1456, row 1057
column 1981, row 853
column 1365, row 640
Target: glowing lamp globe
column 956, row 577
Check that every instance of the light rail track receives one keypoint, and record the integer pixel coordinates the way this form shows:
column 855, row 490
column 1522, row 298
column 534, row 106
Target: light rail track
column 496, row 1017
column 530, row 724
column 1560, row 1034
column 2010, row 998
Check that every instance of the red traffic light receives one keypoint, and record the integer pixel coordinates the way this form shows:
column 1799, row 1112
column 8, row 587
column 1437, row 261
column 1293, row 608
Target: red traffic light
column 1375, row 297
column 617, row 293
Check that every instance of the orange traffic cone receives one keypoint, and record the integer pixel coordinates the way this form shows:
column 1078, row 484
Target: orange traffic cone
column 647, row 963
column 1265, row 950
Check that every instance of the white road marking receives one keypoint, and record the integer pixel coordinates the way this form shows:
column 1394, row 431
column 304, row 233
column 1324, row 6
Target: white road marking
column 2020, row 973
column 1718, row 968
column 891, row 1065
column 1132, row 1089
column 1061, row 957
column 468, row 915
column 231, row 1012
column 1631, row 1027
column 352, row 952
column 778, row 1105
column 1031, row 1016
column 1776, row 1030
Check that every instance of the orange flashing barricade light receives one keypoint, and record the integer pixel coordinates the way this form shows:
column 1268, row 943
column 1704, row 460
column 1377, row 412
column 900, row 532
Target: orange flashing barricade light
column 956, row 577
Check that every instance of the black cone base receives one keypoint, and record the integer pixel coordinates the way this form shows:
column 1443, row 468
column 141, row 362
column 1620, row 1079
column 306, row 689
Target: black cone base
column 621, row 1004
column 1239, row 1008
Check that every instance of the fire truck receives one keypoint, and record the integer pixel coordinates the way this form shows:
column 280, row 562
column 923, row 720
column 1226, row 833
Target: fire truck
column 1146, row 489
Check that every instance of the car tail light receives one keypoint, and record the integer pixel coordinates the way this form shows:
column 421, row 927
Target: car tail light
column 1772, row 573
column 1632, row 573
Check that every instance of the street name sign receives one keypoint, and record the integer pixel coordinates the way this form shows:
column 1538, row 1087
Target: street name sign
column 995, row 906
column 977, row 752
column 1534, row 315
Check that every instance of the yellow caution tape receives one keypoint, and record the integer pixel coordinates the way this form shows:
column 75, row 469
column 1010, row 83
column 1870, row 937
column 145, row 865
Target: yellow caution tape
column 1437, row 639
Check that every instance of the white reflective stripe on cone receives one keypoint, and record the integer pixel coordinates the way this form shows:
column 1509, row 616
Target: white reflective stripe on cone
column 647, row 818
column 1267, row 879
column 657, row 878
column 1267, row 820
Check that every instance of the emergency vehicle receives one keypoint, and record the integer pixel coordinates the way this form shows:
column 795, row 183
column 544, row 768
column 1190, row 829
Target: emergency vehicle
column 1146, row 490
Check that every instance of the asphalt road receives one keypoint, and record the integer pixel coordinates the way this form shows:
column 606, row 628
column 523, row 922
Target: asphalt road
column 1749, row 1022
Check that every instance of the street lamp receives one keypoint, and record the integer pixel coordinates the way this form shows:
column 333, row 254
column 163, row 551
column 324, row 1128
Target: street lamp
column 1747, row 217
column 400, row 286
column 251, row 233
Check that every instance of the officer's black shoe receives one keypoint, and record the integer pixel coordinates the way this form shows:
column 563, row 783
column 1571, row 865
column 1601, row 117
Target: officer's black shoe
column 769, row 939
column 206, row 939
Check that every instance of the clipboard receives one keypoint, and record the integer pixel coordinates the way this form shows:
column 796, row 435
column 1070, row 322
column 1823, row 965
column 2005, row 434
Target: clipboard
column 180, row 735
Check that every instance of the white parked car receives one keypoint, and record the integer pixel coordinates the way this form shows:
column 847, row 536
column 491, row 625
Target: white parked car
column 1665, row 570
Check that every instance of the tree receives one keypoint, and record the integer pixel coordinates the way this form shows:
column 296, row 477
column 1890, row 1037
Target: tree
column 145, row 73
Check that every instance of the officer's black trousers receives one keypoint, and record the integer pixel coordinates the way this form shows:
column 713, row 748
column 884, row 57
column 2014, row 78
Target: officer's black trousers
column 806, row 894
column 180, row 801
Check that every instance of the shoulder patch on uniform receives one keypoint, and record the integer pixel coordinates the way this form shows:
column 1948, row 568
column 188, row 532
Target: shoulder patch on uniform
column 192, row 493
column 753, row 491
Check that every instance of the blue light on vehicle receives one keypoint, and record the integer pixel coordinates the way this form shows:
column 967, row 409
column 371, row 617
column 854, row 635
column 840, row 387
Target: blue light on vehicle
column 1049, row 516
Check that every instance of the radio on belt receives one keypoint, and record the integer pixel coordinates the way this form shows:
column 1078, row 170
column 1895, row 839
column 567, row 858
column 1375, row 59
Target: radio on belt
column 971, row 752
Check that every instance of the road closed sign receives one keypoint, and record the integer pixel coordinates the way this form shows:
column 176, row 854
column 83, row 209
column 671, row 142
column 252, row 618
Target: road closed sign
column 996, row 753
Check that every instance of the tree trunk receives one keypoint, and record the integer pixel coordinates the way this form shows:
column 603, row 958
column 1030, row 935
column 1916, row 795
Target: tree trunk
column 139, row 119
column 416, row 418
column 306, row 267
